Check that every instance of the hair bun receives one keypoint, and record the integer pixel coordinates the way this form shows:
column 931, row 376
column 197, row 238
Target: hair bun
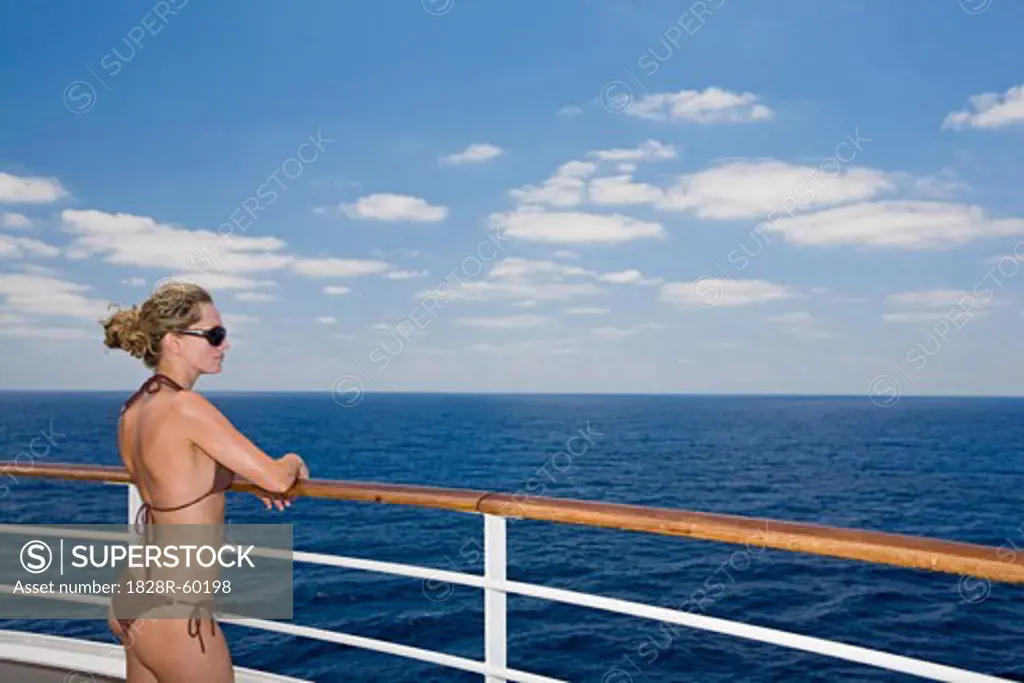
column 124, row 331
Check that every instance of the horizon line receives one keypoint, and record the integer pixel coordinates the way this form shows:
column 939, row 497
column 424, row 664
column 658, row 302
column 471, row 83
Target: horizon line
column 766, row 394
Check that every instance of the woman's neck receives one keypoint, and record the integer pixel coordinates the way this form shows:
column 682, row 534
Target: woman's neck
column 185, row 377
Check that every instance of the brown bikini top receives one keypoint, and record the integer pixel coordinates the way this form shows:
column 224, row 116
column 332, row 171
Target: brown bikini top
column 222, row 478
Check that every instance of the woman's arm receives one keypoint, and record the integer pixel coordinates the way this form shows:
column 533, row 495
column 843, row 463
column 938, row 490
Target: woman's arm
column 208, row 429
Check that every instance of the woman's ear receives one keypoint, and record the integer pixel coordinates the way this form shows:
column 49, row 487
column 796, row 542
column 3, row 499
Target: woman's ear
column 171, row 343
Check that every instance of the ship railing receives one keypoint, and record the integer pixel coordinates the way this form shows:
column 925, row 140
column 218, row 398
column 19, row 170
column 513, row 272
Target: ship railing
column 983, row 563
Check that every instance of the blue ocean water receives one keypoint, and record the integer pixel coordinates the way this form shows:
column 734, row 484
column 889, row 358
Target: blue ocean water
column 942, row 467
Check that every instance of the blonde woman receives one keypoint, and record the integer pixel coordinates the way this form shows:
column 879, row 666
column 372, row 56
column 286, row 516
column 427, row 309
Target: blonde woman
column 182, row 454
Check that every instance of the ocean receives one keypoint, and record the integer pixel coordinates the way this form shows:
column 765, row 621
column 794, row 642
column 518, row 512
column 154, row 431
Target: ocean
column 948, row 468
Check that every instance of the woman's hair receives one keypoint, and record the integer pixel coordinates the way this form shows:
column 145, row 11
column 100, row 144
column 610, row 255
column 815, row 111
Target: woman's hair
column 140, row 329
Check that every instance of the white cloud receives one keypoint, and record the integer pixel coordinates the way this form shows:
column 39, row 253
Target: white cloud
column 13, row 319
column 626, row 277
column 649, row 150
column 199, row 255
column 404, row 253
column 619, row 190
column 544, row 347
column 255, row 297
column 529, row 303
column 19, row 247
column 15, row 221
column 27, row 190
column 915, row 317
column 720, row 345
column 43, row 295
column 134, row 282
column 751, row 189
column 765, row 188
column 833, row 298
column 929, row 298
column 713, row 105
column 615, row 333
column 585, row 310
column 238, row 319
column 570, row 110
column 339, row 267
column 327, row 319
column 802, row 325
column 565, row 188
column 524, row 268
column 796, row 318
column 216, row 281
column 533, row 281
column 503, row 322
column 619, row 333
column 394, row 207
column 521, row 279
column 897, row 224
column 474, row 154
column 335, row 290
column 566, row 254
column 44, row 332
column 37, row 269
column 709, row 293
column 942, row 185
column 512, row 289
column 933, row 305
column 406, row 274
column 537, row 225
column 990, row 110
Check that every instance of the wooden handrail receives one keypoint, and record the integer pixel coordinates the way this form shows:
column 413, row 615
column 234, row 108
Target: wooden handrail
column 899, row 550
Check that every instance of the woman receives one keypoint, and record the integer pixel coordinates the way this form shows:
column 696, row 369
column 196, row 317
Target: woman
column 182, row 454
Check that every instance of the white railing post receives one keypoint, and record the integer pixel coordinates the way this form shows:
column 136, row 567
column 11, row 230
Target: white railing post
column 134, row 502
column 495, row 562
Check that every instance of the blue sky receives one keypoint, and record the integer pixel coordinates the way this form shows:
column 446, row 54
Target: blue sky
column 578, row 196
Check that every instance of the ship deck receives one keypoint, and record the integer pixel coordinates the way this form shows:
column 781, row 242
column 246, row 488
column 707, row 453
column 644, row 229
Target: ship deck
column 31, row 673
column 39, row 658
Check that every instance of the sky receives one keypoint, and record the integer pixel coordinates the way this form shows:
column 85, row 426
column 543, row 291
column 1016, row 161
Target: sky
column 726, row 196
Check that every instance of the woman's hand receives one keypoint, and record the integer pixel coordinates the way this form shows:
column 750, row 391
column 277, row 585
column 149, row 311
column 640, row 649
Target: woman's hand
column 270, row 500
column 303, row 472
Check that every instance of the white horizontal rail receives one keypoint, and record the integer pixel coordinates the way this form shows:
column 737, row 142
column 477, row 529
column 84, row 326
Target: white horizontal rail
column 397, row 569
column 431, row 656
column 61, row 532
column 324, row 635
column 853, row 653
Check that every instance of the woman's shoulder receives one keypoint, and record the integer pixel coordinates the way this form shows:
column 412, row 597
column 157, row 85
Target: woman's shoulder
column 191, row 404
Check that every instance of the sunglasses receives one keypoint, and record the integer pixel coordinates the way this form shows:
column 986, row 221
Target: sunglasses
column 215, row 335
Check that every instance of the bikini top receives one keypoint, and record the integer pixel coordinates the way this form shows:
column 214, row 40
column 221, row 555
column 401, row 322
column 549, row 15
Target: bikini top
column 222, row 478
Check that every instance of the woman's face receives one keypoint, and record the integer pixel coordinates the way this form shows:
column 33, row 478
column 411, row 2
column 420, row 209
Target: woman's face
column 196, row 350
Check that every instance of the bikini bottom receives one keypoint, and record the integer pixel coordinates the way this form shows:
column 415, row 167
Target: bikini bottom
column 140, row 603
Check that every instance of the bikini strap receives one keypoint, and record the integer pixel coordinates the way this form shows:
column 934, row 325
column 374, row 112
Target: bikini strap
column 195, row 622
column 151, row 386
column 150, row 508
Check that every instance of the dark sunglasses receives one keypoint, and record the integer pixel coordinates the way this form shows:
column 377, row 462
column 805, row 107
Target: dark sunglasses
column 215, row 335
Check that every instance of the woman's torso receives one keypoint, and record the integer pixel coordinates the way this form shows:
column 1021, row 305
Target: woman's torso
column 171, row 472
column 164, row 463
